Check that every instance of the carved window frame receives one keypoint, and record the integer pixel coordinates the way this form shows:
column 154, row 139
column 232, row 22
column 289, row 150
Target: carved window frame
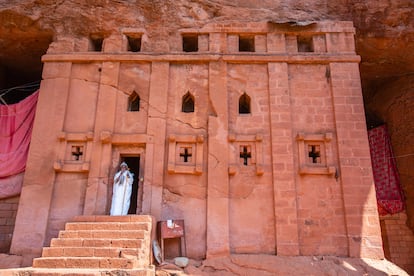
column 195, row 142
column 64, row 161
column 132, row 39
column 255, row 141
column 304, row 140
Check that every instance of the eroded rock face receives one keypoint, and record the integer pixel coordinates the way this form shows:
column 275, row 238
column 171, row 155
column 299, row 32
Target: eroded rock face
column 384, row 28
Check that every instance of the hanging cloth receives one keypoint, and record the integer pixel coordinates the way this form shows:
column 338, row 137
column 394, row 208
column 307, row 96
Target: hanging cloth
column 16, row 123
column 390, row 197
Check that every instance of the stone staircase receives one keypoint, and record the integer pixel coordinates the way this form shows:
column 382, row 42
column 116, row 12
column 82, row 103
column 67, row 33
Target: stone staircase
column 100, row 245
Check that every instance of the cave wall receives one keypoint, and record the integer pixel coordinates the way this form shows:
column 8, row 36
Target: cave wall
column 393, row 104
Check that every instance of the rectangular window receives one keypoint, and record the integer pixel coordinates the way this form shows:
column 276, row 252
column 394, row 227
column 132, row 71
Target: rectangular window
column 305, row 44
column 246, row 43
column 96, row 43
column 190, row 43
column 134, row 43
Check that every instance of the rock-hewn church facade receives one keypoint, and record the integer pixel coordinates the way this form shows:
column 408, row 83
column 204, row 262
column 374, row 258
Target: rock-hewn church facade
column 253, row 134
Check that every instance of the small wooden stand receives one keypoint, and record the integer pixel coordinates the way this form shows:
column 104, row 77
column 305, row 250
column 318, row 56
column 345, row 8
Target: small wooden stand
column 170, row 230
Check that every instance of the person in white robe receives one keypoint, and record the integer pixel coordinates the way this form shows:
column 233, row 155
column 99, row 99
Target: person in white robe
column 122, row 189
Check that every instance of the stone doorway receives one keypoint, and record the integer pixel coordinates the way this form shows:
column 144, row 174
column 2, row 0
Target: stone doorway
column 136, row 195
column 134, row 156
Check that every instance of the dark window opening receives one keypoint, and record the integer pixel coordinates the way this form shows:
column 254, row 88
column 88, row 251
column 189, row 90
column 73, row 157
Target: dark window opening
column 77, row 152
column 133, row 102
column 244, row 104
column 134, row 44
column 135, row 206
column 305, row 44
column 190, row 43
column 185, row 154
column 314, row 153
column 187, row 103
column 246, row 43
column 245, row 154
column 96, row 43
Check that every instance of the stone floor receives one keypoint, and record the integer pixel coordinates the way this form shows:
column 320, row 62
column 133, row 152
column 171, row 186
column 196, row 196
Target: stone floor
column 240, row 265
column 275, row 265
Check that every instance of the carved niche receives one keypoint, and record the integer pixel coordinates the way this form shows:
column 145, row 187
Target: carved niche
column 185, row 154
column 315, row 153
column 248, row 151
column 74, row 152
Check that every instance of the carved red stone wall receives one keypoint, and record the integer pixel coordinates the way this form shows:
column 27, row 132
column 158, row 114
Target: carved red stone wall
column 290, row 175
column 8, row 211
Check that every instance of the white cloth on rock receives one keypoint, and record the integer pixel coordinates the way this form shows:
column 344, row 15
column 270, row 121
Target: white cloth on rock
column 121, row 196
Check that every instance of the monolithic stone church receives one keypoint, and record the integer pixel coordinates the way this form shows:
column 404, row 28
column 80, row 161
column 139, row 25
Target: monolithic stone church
column 252, row 133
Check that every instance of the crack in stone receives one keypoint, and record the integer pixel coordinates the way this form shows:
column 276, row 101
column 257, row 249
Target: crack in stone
column 215, row 157
column 250, row 267
column 126, row 93
column 190, row 125
column 173, row 192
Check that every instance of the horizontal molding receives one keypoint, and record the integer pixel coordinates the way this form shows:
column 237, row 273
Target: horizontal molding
column 71, row 166
column 253, row 57
column 331, row 170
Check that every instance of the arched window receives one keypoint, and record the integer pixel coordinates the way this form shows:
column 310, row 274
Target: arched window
column 244, row 104
column 133, row 102
column 187, row 103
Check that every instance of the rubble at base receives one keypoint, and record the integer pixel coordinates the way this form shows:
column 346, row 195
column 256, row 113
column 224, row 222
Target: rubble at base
column 276, row 265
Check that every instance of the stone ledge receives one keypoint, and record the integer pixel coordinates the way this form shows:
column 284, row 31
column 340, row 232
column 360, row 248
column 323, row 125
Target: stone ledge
column 202, row 57
column 150, row 271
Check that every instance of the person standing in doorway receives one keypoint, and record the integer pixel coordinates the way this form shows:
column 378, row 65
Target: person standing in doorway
column 121, row 196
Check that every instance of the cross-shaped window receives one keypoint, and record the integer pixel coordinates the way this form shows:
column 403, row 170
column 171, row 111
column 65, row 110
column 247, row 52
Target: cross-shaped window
column 185, row 155
column 314, row 153
column 77, row 152
column 245, row 154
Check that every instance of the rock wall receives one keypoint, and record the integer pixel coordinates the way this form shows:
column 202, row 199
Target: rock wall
column 384, row 35
column 28, row 26
column 269, row 179
column 398, row 241
column 8, row 211
column 394, row 105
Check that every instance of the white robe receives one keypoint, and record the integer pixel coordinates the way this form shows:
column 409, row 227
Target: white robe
column 121, row 196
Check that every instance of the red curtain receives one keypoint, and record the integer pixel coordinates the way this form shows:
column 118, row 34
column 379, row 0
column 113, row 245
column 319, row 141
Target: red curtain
column 390, row 196
column 16, row 123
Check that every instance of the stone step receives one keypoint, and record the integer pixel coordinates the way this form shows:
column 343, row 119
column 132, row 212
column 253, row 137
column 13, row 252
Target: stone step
column 128, row 218
column 100, row 245
column 150, row 271
column 115, row 226
column 102, row 234
column 109, row 252
column 85, row 242
column 84, row 262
